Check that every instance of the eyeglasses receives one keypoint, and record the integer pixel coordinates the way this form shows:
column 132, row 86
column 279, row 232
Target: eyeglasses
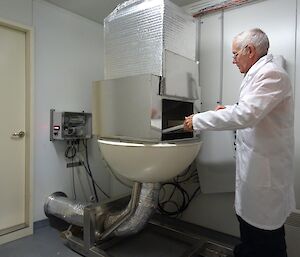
column 235, row 55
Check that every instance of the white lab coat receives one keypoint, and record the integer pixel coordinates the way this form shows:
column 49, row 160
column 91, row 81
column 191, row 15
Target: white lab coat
column 264, row 120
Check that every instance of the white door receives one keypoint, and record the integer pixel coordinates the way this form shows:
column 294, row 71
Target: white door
column 13, row 214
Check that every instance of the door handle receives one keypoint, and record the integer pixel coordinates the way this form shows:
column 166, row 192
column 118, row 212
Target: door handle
column 19, row 134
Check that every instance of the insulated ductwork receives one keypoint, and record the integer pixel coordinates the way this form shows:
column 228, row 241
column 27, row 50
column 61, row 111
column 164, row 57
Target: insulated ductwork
column 60, row 206
column 137, row 34
column 129, row 221
column 146, row 205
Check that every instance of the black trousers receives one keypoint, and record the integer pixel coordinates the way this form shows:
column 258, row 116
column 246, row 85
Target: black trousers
column 257, row 242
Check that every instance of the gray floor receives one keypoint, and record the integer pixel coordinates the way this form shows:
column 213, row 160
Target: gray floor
column 148, row 244
column 46, row 242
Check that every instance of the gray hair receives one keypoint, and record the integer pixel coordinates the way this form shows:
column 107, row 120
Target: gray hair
column 256, row 37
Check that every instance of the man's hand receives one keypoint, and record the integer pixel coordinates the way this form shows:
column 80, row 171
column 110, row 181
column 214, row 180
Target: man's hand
column 188, row 123
column 219, row 107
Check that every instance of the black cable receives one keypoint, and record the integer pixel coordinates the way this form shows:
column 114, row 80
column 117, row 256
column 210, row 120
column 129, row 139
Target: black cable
column 73, row 174
column 164, row 211
column 185, row 172
column 185, row 197
column 73, row 179
column 90, row 172
column 71, row 151
column 191, row 198
column 187, row 179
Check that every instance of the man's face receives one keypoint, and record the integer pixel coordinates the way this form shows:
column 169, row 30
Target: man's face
column 241, row 57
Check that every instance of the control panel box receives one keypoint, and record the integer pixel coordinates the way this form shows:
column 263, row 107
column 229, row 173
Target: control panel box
column 70, row 125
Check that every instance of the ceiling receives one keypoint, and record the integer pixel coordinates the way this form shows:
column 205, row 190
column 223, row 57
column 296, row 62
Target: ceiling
column 97, row 10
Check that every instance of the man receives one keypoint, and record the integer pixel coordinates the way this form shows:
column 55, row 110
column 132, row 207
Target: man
column 264, row 120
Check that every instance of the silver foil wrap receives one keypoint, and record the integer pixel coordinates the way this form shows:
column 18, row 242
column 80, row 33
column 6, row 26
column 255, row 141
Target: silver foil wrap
column 138, row 32
column 146, row 206
column 62, row 207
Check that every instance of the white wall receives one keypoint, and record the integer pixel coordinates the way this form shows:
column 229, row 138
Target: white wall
column 68, row 57
column 17, row 11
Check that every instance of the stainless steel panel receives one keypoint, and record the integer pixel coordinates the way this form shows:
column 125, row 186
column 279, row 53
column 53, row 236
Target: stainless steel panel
column 181, row 77
column 123, row 107
column 132, row 109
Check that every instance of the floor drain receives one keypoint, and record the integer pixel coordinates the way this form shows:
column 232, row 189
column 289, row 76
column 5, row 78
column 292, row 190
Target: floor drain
column 214, row 250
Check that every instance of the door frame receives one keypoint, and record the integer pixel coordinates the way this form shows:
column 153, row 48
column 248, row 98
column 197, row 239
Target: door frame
column 29, row 129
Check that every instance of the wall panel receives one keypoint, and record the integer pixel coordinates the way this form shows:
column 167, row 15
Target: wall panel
column 277, row 19
column 297, row 113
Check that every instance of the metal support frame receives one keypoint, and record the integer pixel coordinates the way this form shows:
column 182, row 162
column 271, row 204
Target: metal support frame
column 91, row 241
column 85, row 242
column 94, row 237
column 200, row 245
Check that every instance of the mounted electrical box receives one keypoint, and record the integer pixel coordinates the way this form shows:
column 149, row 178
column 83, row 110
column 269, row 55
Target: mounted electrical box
column 70, row 125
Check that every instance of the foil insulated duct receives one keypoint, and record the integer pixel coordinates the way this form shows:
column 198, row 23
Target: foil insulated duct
column 146, row 206
column 138, row 32
column 62, row 207
column 128, row 221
